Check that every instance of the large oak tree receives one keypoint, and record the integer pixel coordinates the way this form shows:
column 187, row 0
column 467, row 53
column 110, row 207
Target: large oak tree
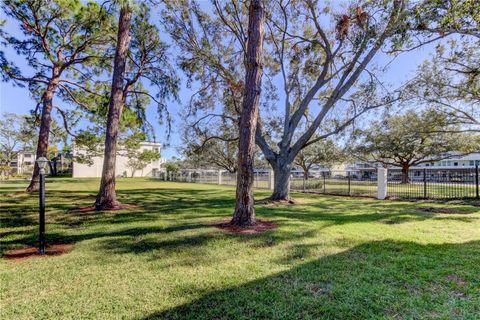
column 316, row 63
column 413, row 138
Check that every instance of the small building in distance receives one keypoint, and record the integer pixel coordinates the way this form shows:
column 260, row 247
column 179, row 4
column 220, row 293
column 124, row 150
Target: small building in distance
column 94, row 170
column 24, row 162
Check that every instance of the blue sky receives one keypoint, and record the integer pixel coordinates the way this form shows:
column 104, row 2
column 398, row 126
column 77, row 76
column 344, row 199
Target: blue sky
column 18, row 100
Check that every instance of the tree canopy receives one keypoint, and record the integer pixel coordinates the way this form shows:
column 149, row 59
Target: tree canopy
column 413, row 138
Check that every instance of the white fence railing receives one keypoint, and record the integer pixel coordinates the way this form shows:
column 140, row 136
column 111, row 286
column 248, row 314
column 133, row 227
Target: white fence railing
column 262, row 179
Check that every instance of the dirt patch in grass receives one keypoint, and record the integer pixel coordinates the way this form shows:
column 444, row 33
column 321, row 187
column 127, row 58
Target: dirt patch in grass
column 259, row 227
column 32, row 252
column 268, row 201
column 441, row 210
column 92, row 208
column 458, row 280
column 389, row 221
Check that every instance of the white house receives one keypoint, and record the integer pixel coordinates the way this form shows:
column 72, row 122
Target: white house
column 23, row 163
column 82, row 170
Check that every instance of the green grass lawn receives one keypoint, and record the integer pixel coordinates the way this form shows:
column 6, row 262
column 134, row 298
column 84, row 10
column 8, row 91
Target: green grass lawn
column 331, row 257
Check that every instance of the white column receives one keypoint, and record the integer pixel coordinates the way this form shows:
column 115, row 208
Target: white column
column 220, row 176
column 271, row 180
column 381, row 183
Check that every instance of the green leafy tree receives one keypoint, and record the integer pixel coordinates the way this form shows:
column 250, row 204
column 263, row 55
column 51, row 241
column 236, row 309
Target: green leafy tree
column 316, row 57
column 15, row 136
column 171, row 167
column 413, row 138
column 324, row 152
column 59, row 38
column 138, row 160
column 450, row 81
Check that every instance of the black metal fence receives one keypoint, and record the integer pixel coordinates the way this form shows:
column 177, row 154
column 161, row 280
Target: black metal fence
column 427, row 183
column 423, row 183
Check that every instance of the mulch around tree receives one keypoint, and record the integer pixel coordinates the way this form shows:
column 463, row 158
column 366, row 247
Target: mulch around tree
column 259, row 227
column 92, row 208
column 32, row 252
column 268, row 201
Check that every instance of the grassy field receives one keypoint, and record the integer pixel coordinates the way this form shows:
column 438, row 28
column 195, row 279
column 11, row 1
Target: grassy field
column 330, row 258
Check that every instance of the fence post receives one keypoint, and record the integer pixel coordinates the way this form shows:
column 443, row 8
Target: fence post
column 381, row 183
column 476, row 181
column 271, row 180
column 324, row 183
column 219, row 176
column 349, row 183
column 424, row 183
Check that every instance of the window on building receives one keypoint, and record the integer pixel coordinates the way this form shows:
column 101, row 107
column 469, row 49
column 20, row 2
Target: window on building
column 28, row 155
column 455, row 164
column 28, row 163
column 472, row 162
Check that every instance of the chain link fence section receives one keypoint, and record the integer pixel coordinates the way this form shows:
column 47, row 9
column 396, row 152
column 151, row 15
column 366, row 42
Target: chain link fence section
column 346, row 183
column 262, row 179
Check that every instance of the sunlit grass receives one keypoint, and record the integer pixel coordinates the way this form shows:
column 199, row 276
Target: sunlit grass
column 331, row 257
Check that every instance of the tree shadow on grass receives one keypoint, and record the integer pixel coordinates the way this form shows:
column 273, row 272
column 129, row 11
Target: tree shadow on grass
column 345, row 210
column 384, row 279
column 184, row 206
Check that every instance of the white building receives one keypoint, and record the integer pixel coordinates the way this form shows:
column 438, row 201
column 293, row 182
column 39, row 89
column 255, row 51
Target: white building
column 23, row 163
column 82, row 170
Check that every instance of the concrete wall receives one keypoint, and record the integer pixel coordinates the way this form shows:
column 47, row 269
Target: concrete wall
column 81, row 170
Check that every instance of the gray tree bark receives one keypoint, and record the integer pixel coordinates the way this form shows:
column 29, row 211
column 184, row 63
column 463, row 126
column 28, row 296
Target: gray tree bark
column 106, row 197
column 244, row 214
column 405, row 170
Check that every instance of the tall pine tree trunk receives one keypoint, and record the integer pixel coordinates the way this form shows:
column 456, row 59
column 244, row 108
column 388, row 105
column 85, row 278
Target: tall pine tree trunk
column 45, row 122
column 107, row 198
column 244, row 214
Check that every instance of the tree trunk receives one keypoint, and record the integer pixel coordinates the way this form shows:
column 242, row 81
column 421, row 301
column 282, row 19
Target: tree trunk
column 55, row 166
column 306, row 173
column 52, row 170
column 281, row 179
column 45, row 122
column 405, row 177
column 244, row 214
column 107, row 198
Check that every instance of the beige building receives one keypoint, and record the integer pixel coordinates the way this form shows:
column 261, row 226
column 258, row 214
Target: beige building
column 23, row 163
column 82, row 170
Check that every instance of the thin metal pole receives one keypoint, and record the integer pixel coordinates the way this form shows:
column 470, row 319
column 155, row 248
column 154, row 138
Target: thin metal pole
column 324, row 185
column 424, row 183
column 476, row 181
column 42, row 213
column 349, row 193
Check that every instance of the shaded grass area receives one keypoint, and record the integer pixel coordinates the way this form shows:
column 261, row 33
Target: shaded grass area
column 331, row 257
